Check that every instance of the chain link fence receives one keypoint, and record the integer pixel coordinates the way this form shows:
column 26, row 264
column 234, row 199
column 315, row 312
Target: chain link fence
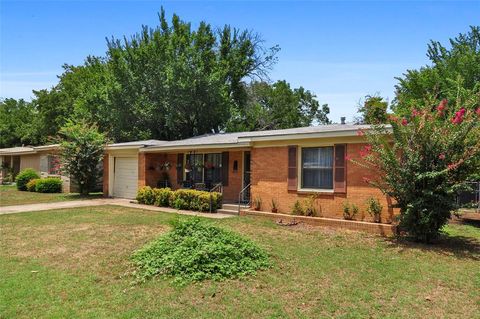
column 470, row 198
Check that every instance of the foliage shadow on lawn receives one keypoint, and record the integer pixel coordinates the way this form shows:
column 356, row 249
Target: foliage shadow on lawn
column 460, row 247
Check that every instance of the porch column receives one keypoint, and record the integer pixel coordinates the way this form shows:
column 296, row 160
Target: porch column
column 106, row 176
column 142, row 174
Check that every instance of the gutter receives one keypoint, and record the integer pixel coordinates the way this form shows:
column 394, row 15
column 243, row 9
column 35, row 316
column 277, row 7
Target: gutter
column 291, row 136
column 195, row 146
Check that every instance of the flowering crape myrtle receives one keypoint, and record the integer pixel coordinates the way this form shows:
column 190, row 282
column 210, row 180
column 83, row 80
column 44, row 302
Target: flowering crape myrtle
column 423, row 161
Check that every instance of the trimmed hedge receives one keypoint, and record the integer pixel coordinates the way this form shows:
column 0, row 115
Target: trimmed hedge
column 49, row 185
column 187, row 199
column 24, row 177
column 32, row 184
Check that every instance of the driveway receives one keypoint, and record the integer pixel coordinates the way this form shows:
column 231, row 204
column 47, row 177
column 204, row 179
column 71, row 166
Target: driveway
column 100, row 202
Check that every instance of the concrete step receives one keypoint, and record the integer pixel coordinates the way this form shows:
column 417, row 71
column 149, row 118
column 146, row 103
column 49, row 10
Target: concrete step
column 233, row 206
column 227, row 211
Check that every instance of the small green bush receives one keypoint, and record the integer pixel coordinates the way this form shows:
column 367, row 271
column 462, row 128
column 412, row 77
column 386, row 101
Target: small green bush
column 145, row 195
column 162, row 196
column 297, row 208
column 349, row 212
column 194, row 250
column 374, row 208
column 49, row 185
column 306, row 207
column 32, row 184
column 24, row 177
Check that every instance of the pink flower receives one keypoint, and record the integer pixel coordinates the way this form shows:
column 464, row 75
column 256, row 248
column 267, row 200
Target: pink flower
column 365, row 150
column 415, row 113
column 392, row 118
column 348, row 158
column 442, row 106
column 478, row 111
column 459, row 116
column 404, row 122
column 441, row 156
column 451, row 166
column 360, row 133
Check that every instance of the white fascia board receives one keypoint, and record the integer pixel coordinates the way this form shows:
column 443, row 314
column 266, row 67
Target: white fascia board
column 295, row 136
column 194, row 147
column 18, row 153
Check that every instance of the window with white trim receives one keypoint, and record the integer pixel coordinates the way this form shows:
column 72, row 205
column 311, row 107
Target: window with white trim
column 317, row 168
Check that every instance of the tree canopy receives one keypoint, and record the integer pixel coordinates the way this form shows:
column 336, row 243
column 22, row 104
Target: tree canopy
column 168, row 82
column 454, row 74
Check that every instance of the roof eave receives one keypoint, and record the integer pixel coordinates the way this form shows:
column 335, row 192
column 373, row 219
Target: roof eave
column 194, row 147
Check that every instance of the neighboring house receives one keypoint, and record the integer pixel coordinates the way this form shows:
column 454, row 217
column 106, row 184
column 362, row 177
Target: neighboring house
column 281, row 165
column 44, row 159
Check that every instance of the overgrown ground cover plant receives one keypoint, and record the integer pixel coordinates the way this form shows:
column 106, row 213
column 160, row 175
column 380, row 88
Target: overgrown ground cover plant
column 423, row 160
column 194, row 250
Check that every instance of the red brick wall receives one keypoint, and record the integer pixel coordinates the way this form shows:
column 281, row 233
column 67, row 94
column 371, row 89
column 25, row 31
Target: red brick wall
column 149, row 172
column 230, row 192
column 269, row 180
column 105, row 175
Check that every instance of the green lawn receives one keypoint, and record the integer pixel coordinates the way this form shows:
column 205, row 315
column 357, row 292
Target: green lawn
column 9, row 195
column 75, row 264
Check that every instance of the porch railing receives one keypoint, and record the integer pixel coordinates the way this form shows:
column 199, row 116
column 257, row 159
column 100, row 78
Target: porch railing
column 241, row 197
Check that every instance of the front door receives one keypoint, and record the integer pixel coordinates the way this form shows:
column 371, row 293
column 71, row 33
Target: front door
column 246, row 176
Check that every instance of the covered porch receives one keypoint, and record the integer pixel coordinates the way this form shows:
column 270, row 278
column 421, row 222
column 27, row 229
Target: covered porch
column 225, row 170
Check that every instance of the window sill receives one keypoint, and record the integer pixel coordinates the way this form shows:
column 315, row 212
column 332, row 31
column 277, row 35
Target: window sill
column 315, row 191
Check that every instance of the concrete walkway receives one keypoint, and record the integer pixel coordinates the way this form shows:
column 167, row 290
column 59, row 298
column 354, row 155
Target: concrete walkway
column 101, row 202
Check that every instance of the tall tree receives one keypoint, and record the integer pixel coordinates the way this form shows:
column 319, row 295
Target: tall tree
column 278, row 106
column 81, row 93
column 454, row 74
column 373, row 110
column 173, row 82
column 18, row 123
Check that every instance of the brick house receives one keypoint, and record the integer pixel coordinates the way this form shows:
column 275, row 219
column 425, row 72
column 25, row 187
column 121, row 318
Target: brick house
column 44, row 159
column 281, row 165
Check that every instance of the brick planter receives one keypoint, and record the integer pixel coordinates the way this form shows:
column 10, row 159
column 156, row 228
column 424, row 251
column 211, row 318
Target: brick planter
column 373, row 228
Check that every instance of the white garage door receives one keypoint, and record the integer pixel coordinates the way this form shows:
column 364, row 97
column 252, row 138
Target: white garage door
column 125, row 180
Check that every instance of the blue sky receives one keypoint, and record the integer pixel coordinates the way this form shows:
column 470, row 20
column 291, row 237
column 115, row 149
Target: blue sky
column 341, row 51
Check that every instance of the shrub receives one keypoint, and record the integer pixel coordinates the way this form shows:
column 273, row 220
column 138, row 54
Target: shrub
column 349, row 212
column 374, row 208
column 257, row 203
column 297, row 208
column 31, row 185
column 274, row 206
column 423, row 159
column 82, row 150
column 49, row 185
column 306, row 207
column 194, row 250
column 145, row 195
column 162, row 196
column 187, row 199
column 24, row 177
column 183, row 198
column 355, row 210
column 309, row 206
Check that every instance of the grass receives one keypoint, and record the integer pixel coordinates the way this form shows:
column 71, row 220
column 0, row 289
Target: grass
column 9, row 195
column 75, row 263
